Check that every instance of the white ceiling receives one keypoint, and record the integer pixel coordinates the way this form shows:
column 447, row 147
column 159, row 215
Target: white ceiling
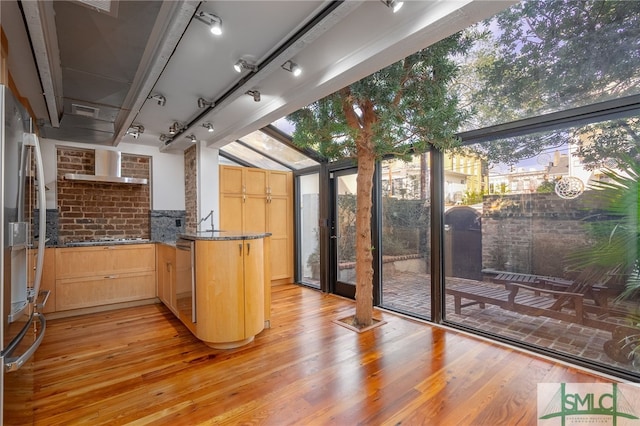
column 114, row 62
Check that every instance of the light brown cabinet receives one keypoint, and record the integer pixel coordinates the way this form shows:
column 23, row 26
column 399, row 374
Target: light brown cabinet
column 166, row 273
column 230, row 291
column 258, row 200
column 48, row 281
column 101, row 275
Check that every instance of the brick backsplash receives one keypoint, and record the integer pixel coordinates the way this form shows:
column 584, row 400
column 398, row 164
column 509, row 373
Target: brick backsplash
column 94, row 210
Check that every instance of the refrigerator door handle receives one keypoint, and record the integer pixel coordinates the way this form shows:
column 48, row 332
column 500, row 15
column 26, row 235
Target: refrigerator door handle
column 14, row 363
column 31, row 139
column 44, row 294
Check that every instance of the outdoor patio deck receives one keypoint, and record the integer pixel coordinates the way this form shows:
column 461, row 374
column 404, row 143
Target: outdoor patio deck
column 409, row 293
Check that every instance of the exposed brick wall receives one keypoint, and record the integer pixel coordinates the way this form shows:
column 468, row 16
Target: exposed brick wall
column 533, row 233
column 94, row 210
column 191, row 189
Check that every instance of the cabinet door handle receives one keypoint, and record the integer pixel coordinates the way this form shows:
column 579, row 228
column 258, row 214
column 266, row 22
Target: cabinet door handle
column 248, row 248
column 110, row 277
column 240, row 247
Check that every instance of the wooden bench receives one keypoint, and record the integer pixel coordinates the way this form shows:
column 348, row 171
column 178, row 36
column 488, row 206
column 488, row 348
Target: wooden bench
column 518, row 298
column 513, row 277
column 597, row 292
column 477, row 295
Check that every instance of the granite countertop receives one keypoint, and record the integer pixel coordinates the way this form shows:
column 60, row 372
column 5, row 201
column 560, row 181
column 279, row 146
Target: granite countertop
column 202, row 235
column 106, row 242
column 223, row 235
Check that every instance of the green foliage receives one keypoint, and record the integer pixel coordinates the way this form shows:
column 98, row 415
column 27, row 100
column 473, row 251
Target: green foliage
column 346, row 227
column 609, row 143
column 410, row 100
column 546, row 187
column 405, row 224
column 616, row 246
column 473, row 197
column 552, row 55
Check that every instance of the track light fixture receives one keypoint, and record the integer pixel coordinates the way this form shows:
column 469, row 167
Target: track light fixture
column 192, row 138
column 138, row 127
column 242, row 64
column 255, row 94
column 175, row 128
column 135, row 130
column 214, row 22
column 133, row 133
column 164, row 138
column 292, row 67
column 159, row 98
column 394, row 5
column 203, row 103
column 208, row 126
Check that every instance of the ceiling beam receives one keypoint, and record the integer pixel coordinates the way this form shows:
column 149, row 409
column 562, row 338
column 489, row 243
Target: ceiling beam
column 171, row 23
column 40, row 19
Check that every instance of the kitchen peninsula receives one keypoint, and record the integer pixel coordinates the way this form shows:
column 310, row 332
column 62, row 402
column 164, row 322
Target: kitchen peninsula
column 222, row 286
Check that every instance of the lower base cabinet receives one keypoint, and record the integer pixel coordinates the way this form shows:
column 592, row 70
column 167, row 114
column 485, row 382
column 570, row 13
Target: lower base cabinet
column 230, row 291
column 226, row 281
column 100, row 275
column 75, row 293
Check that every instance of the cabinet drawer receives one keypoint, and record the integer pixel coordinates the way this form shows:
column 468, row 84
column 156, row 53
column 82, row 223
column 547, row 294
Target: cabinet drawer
column 74, row 262
column 75, row 293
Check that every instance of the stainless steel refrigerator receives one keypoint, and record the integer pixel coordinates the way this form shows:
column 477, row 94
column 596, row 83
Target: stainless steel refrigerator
column 22, row 193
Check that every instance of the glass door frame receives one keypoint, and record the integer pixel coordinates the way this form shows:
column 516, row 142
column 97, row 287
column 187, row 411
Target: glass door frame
column 336, row 286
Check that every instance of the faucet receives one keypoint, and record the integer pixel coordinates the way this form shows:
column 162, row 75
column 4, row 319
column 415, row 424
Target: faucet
column 209, row 216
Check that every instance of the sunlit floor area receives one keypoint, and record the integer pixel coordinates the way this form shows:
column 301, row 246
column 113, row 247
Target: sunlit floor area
column 142, row 366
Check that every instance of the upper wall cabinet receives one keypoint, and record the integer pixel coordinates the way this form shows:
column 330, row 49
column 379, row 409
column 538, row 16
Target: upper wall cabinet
column 258, row 200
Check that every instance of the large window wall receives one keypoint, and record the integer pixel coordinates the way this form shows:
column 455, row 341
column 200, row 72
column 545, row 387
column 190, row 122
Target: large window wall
column 534, row 218
column 547, row 255
column 405, row 248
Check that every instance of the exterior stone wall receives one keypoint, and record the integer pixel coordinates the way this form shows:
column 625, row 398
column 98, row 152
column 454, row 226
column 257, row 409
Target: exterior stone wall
column 94, row 210
column 533, row 233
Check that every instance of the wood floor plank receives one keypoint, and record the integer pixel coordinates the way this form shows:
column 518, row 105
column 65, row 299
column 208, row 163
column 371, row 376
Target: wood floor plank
column 142, row 366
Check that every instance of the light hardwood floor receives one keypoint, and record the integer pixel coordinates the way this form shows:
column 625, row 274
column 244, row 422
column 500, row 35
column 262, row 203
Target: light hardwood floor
column 142, row 366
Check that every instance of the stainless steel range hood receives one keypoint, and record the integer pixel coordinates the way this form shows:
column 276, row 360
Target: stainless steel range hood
column 107, row 169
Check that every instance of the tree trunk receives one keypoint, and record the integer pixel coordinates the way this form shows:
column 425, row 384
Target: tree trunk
column 365, row 151
column 364, row 255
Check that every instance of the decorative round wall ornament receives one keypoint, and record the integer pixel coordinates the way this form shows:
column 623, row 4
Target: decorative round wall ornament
column 569, row 187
